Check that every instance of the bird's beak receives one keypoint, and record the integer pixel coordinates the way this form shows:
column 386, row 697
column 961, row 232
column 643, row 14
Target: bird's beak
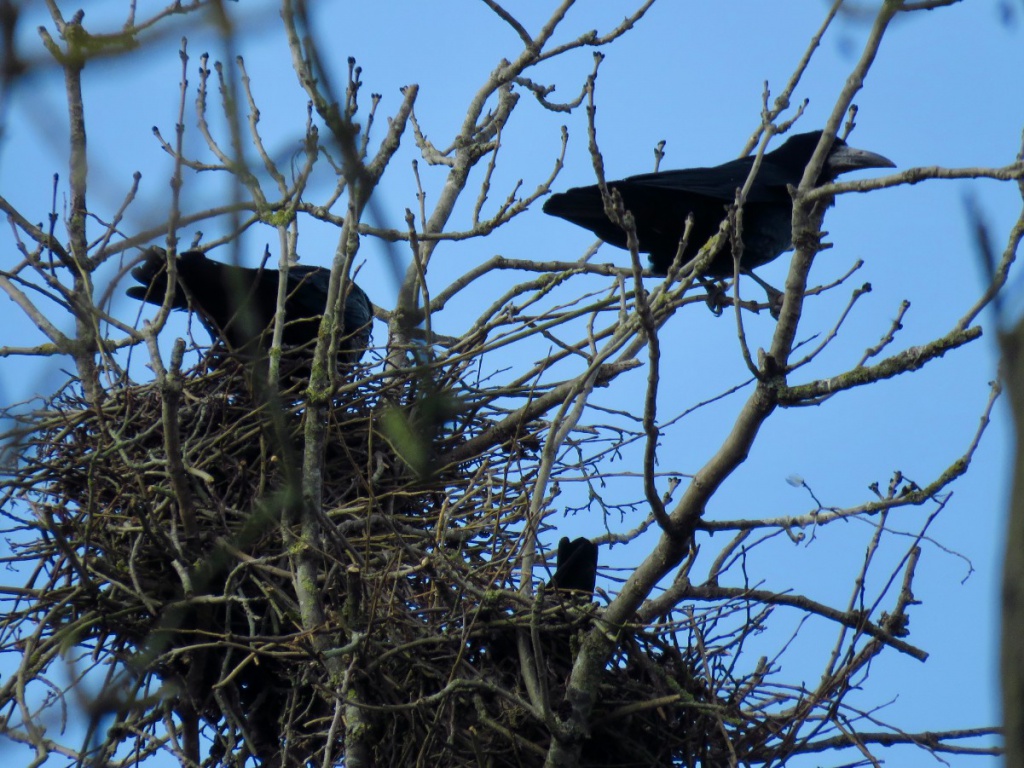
column 844, row 159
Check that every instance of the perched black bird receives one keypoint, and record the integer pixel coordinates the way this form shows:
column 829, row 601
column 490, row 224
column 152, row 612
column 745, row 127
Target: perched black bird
column 237, row 304
column 660, row 203
column 577, row 565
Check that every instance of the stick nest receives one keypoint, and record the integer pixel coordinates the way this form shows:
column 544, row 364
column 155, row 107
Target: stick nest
column 415, row 561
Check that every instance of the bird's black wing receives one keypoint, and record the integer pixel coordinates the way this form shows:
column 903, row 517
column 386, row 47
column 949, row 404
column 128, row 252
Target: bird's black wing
column 721, row 182
column 660, row 203
column 307, row 298
column 660, row 214
column 307, row 288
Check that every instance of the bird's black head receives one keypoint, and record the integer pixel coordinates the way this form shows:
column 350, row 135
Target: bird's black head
column 842, row 158
column 151, row 273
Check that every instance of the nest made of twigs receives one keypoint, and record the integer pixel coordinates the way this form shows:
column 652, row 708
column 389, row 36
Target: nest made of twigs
column 416, row 574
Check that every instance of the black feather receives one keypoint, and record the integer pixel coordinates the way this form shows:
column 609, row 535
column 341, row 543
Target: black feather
column 660, row 203
column 577, row 566
column 237, row 304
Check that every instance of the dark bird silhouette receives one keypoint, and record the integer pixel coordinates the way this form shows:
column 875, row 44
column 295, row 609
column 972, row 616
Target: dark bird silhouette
column 577, row 566
column 660, row 203
column 237, row 304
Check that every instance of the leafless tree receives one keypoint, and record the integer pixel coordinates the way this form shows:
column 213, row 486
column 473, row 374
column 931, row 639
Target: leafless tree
column 345, row 567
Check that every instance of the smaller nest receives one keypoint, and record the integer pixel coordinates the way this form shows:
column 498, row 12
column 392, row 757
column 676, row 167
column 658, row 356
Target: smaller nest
column 415, row 573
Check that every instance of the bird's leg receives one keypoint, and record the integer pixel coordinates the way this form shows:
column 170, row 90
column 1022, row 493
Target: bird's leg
column 775, row 296
column 716, row 299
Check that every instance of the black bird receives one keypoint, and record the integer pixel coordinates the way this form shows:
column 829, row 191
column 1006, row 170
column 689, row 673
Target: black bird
column 237, row 304
column 577, row 566
column 660, row 203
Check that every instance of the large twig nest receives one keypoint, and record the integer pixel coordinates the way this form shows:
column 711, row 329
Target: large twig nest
column 417, row 575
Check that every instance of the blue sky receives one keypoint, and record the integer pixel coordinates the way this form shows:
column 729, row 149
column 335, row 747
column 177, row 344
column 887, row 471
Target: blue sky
column 945, row 90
